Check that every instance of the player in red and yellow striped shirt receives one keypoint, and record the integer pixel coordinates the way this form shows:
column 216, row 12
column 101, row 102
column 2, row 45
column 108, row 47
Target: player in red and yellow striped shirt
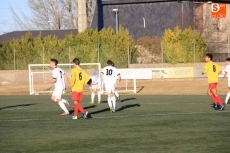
column 213, row 70
column 79, row 78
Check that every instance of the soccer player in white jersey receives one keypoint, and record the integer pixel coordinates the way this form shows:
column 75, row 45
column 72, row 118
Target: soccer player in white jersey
column 59, row 79
column 227, row 72
column 116, row 93
column 109, row 76
column 95, row 88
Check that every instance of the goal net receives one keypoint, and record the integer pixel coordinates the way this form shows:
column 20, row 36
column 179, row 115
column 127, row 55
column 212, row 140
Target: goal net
column 40, row 72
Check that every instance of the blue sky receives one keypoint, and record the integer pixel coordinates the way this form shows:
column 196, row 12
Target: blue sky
column 7, row 22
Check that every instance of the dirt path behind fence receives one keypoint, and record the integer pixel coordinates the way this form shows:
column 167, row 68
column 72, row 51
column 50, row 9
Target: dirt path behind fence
column 147, row 87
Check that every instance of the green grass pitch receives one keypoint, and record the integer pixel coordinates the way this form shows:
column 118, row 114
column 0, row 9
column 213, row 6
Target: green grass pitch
column 142, row 124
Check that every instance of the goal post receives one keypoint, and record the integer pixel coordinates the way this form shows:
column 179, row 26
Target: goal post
column 40, row 72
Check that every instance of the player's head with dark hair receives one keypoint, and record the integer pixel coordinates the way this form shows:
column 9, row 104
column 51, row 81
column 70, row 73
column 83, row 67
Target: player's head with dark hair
column 53, row 63
column 208, row 57
column 109, row 62
column 76, row 61
column 113, row 64
column 228, row 59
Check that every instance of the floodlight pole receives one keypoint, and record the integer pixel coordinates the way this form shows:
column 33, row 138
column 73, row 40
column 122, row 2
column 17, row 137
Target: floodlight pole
column 194, row 51
column 228, row 46
column 116, row 12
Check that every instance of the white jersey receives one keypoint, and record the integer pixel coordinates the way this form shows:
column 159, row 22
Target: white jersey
column 95, row 80
column 58, row 74
column 110, row 74
column 227, row 70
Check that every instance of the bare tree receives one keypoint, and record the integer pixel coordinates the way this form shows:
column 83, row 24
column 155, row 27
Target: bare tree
column 52, row 14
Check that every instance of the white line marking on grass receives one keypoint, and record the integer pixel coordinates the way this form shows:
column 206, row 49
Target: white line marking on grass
column 167, row 114
column 4, row 109
column 21, row 107
column 121, row 116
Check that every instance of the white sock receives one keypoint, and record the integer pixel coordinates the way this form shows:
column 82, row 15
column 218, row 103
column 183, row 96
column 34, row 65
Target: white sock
column 227, row 97
column 114, row 102
column 64, row 101
column 62, row 105
column 116, row 93
column 110, row 102
column 92, row 96
column 99, row 95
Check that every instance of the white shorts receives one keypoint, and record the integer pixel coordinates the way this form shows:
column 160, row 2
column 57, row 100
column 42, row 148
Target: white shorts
column 110, row 88
column 57, row 93
column 96, row 86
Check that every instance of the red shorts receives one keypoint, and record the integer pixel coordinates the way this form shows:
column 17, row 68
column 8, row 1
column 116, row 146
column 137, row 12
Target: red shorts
column 77, row 96
column 212, row 85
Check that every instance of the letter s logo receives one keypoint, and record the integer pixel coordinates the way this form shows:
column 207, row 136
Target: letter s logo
column 215, row 8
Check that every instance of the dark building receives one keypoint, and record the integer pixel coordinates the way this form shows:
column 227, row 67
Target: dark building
column 145, row 17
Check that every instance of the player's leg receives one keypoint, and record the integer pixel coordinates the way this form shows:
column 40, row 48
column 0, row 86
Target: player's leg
column 98, row 95
column 75, row 101
column 113, row 98
column 212, row 97
column 228, row 94
column 209, row 92
column 92, row 94
column 108, row 91
column 58, row 94
column 65, row 101
column 117, row 95
column 219, row 100
column 77, row 97
column 115, row 92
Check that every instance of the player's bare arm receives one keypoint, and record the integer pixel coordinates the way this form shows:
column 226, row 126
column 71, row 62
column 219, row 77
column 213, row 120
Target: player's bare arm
column 225, row 74
column 119, row 77
column 219, row 72
column 66, row 79
column 50, row 81
column 101, row 76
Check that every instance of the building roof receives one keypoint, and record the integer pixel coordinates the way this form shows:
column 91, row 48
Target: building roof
column 60, row 34
column 115, row 2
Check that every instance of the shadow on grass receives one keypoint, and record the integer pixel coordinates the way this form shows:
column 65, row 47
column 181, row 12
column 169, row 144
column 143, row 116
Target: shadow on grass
column 87, row 107
column 100, row 111
column 104, row 101
column 123, row 100
column 96, row 112
column 21, row 105
column 128, row 106
column 107, row 109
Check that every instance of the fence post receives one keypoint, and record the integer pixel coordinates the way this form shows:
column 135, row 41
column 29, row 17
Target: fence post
column 162, row 55
column 98, row 55
column 194, row 52
column 228, row 45
column 128, row 56
column 14, row 66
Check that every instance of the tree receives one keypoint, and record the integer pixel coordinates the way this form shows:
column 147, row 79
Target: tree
column 150, row 48
column 180, row 46
column 52, row 14
column 86, row 46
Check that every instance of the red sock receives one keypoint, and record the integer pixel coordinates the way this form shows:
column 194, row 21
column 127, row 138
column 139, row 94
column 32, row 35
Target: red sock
column 80, row 108
column 214, row 99
column 219, row 101
column 75, row 110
